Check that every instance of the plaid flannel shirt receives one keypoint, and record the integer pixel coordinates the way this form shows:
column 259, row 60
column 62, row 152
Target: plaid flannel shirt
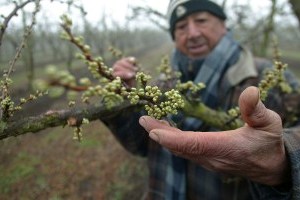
column 203, row 184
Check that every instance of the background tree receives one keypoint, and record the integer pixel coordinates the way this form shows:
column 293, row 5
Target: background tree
column 296, row 8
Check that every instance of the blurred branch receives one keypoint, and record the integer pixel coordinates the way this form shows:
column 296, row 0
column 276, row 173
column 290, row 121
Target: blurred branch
column 296, row 8
column 26, row 34
column 151, row 14
column 71, row 3
column 7, row 19
column 224, row 4
column 4, row 112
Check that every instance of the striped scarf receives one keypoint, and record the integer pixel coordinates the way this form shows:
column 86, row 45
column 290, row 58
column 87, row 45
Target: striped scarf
column 208, row 71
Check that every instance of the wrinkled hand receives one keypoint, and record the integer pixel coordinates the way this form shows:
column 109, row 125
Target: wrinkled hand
column 126, row 69
column 255, row 151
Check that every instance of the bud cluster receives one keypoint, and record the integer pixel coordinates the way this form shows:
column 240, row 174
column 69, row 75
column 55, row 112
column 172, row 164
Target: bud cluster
column 9, row 108
column 108, row 92
column 190, row 86
column 142, row 78
column 77, row 134
column 165, row 70
column 116, row 52
column 157, row 104
column 172, row 103
column 274, row 77
column 234, row 112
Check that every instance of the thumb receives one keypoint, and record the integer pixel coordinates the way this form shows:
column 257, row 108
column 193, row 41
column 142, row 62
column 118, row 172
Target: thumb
column 254, row 112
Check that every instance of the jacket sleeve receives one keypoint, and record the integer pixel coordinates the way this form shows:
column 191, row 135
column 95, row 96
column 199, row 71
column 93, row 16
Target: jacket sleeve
column 126, row 129
column 292, row 143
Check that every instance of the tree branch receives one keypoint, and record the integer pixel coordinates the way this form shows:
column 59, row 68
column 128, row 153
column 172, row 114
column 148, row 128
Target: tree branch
column 51, row 118
column 58, row 118
column 217, row 119
column 153, row 15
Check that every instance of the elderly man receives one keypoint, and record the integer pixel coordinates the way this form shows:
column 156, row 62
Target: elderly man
column 229, row 165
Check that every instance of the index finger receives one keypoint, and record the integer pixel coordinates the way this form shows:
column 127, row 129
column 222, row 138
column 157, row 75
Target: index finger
column 150, row 123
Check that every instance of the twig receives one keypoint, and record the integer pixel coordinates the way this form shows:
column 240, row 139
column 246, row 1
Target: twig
column 7, row 19
column 5, row 90
column 27, row 33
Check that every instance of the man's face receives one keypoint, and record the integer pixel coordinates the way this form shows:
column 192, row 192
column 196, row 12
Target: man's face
column 197, row 34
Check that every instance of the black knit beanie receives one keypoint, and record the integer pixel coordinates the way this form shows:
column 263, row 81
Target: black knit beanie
column 179, row 9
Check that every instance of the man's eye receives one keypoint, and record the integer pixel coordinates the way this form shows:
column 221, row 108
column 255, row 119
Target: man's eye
column 201, row 20
column 180, row 26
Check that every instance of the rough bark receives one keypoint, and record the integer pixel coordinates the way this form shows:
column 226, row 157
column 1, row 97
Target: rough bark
column 54, row 118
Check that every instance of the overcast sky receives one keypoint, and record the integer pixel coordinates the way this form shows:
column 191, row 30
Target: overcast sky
column 119, row 9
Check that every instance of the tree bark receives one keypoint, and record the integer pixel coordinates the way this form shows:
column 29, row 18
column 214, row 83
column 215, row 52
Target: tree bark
column 56, row 118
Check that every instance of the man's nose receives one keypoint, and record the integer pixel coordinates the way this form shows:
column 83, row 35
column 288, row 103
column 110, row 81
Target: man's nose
column 193, row 30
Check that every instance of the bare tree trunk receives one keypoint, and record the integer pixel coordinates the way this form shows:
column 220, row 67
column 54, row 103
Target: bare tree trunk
column 28, row 56
column 296, row 8
column 30, row 63
column 268, row 29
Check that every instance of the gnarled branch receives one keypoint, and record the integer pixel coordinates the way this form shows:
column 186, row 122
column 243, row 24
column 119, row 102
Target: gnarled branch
column 58, row 118
column 49, row 119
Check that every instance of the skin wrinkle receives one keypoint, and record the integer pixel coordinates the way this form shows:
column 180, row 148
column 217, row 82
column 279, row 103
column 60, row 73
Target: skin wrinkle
column 259, row 116
column 202, row 144
column 220, row 164
column 195, row 146
column 253, row 140
column 265, row 164
column 225, row 166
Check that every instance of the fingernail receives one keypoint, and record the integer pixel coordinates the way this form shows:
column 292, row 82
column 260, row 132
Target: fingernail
column 130, row 75
column 154, row 136
column 132, row 60
column 143, row 122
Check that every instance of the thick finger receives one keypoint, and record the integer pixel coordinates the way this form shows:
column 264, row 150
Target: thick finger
column 132, row 60
column 125, row 75
column 254, row 112
column 150, row 123
column 189, row 144
column 126, row 64
column 124, row 69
